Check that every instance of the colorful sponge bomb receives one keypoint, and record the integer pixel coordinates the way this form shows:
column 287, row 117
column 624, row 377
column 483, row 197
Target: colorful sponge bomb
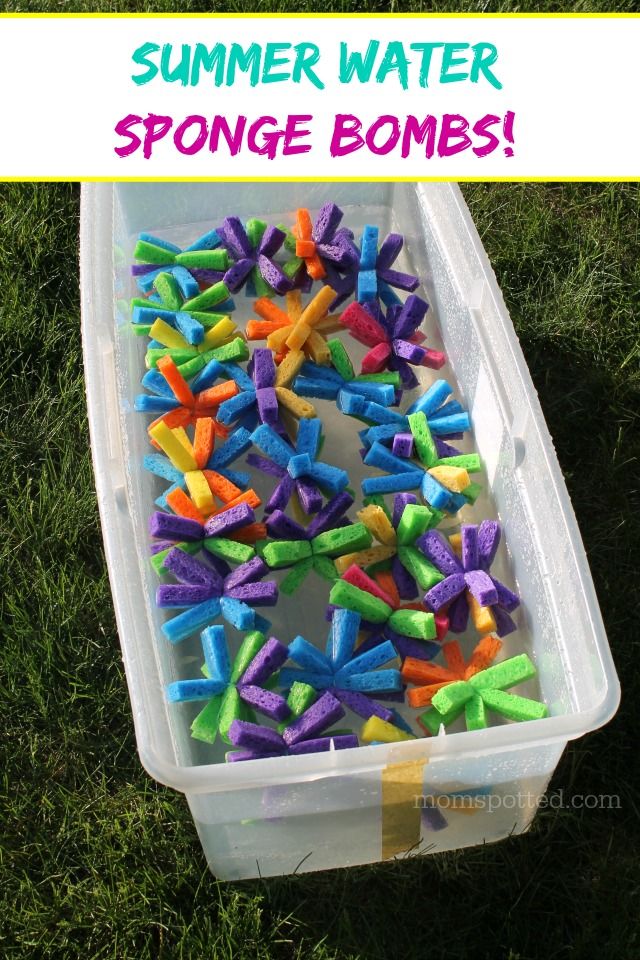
column 394, row 340
column 353, row 677
column 201, row 263
column 253, row 250
column 375, row 278
column 468, row 584
column 299, row 328
column 234, row 690
column 482, row 692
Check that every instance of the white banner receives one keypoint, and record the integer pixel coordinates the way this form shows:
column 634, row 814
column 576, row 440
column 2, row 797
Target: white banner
column 319, row 97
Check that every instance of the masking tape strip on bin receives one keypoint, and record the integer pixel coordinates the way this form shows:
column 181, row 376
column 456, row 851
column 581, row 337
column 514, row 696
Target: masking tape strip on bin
column 402, row 783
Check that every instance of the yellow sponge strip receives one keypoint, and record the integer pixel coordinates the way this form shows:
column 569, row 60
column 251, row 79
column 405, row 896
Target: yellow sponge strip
column 167, row 336
column 200, row 491
column 377, row 729
column 377, row 522
column 453, row 478
column 173, row 445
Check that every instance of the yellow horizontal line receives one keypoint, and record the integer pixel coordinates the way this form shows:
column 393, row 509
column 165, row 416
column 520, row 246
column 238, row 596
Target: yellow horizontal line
column 463, row 179
column 320, row 16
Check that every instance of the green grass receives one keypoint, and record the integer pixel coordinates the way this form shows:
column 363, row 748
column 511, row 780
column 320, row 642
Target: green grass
column 308, row 6
column 100, row 862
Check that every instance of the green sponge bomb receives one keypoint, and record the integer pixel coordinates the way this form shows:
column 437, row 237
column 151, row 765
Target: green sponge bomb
column 485, row 692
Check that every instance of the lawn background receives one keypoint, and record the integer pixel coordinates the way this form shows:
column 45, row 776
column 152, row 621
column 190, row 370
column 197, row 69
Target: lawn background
column 97, row 860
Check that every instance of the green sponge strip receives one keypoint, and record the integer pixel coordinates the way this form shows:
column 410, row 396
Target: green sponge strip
column 150, row 253
column 232, row 708
column 236, row 349
column 414, row 521
column 284, row 553
column 432, row 718
column 506, row 674
column 513, row 707
column 141, row 329
column 208, row 320
column 388, row 377
column 475, row 713
column 179, row 355
column 421, row 569
column 470, row 462
column 229, row 550
column 335, row 543
column 255, row 231
column 262, row 288
column 205, row 725
column 300, row 698
column 252, row 642
column 217, row 259
column 215, row 294
column 167, row 286
column 340, row 359
column 472, row 492
column 296, row 576
column 325, row 567
column 291, row 267
column 344, row 594
column 452, row 696
column 413, row 623
column 157, row 560
column 425, row 444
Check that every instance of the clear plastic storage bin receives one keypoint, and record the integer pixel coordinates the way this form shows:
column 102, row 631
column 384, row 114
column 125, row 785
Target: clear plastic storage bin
column 277, row 816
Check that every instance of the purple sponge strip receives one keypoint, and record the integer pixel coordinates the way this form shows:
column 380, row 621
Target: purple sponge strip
column 400, row 501
column 235, row 237
column 265, row 701
column 246, row 573
column 229, row 520
column 282, row 527
column 327, row 223
column 327, row 517
column 344, row 741
column 274, row 276
column 257, row 594
column 170, row 527
column 389, row 250
column 445, row 591
column 272, row 240
column 263, row 368
column 488, row 542
column 267, row 405
column 407, row 586
column 437, row 550
column 470, row 552
column 505, row 598
column 237, row 274
column 361, row 705
column 458, row 614
column 189, row 570
column 265, row 465
column 325, row 711
column 481, row 586
column 267, row 660
column 181, row 595
column 253, row 736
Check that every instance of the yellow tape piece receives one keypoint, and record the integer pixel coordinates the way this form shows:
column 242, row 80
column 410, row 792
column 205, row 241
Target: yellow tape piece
column 401, row 784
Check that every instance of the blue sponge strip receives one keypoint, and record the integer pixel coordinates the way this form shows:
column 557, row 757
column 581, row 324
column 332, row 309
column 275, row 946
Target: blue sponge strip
column 162, row 467
column 367, row 286
column 143, row 403
column 393, row 483
column 207, row 377
column 146, row 281
column 182, row 626
column 147, row 315
column 216, row 654
column 443, row 426
column 237, row 613
column 309, row 657
column 434, row 493
column 379, row 456
column 187, row 283
column 237, row 444
column 316, row 372
column 208, row 241
column 157, row 242
column 235, row 372
column 328, row 477
column 342, row 639
column 299, row 465
column 433, row 399
column 388, row 296
column 192, row 330
column 272, row 445
column 234, row 407
column 382, row 393
column 184, row 690
column 309, row 433
column 318, row 389
column 369, row 660
column 369, row 248
column 156, row 383
column 240, row 477
column 381, row 681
